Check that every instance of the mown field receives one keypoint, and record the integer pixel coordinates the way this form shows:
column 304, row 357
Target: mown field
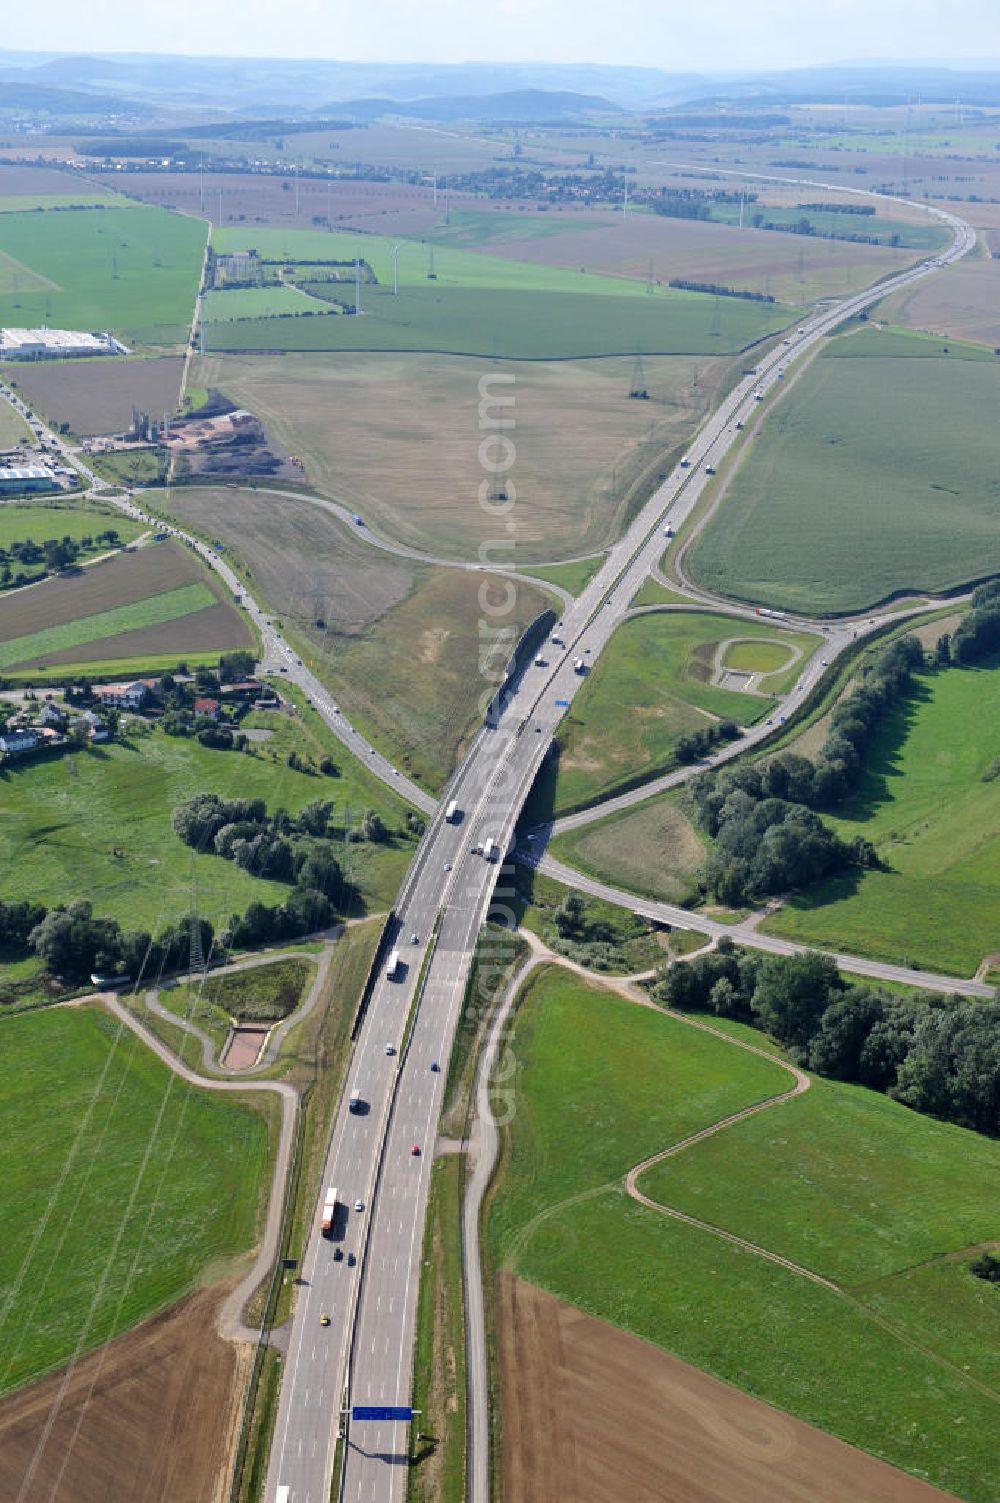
column 13, row 428
column 930, row 805
column 257, row 302
column 119, row 1196
column 962, row 301
column 793, row 268
column 127, row 269
column 157, row 600
column 396, row 439
column 96, row 824
column 97, row 396
column 603, row 1083
column 651, row 686
column 874, row 475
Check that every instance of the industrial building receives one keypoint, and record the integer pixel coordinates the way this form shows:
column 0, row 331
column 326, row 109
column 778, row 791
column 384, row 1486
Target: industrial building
column 21, row 479
column 56, row 344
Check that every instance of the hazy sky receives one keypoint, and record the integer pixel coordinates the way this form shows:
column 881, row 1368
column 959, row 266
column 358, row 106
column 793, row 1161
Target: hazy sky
column 672, row 34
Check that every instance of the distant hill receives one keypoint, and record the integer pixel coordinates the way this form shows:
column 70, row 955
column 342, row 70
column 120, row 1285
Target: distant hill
column 534, row 106
column 40, row 99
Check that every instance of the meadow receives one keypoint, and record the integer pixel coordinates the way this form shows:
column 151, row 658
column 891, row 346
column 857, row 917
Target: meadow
column 42, row 521
column 13, row 428
column 795, row 269
column 651, row 686
column 396, row 439
column 120, row 1196
column 256, row 302
column 603, row 1083
column 874, row 475
column 96, row 824
column 653, row 849
column 927, row 802
column 125, row 269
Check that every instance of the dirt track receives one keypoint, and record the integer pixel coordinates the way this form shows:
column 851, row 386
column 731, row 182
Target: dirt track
column 592, row 1414
column 158, row 1427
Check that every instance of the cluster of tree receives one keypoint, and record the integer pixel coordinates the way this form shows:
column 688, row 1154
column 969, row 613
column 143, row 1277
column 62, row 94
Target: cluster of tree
column 718, row 290
column 281, row 847
column 304, row 911
column 864, row 209
column 939, row 1055
column 17, row 919
column 53, row 554
column 582, row 933
column 699, row 743
column 978, row 634
column 763, row 844
column 987, row 1267
column 74, row 944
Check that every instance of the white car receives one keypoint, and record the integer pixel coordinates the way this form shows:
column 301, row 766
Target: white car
column 390, row 1048
column 359, row 1205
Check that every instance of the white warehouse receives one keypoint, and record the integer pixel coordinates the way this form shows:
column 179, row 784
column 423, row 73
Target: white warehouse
column 55, row 344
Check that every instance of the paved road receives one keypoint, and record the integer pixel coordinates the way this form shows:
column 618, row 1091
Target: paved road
column 366, row 1351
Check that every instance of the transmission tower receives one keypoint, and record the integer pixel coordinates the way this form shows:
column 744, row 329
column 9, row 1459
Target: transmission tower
column 357, row 286
column 715, row 328
column 649, row 277
column 431, row 273
column 196, row 956
column 395, row 269
column 638, row 391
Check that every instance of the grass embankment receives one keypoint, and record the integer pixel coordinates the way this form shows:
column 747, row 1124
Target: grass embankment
column 650, row 687
column 123, row 1186
column 437, row 1463
column 96, row 824
column 874, row 475
column 931, row 805
column 654, row 849
column 572, row 577
column 603, row 1084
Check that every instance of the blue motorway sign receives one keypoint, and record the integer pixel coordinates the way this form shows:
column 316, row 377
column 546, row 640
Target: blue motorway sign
column 381, row 1412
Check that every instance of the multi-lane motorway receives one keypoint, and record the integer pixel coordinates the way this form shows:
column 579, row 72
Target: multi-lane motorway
column 363, row 1355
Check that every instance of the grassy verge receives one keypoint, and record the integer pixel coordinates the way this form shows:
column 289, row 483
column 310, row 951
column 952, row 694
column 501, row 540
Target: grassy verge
column 253, row 1473
column 437, row 1461
column 572, row 577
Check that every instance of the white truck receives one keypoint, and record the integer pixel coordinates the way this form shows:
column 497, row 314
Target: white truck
column 393, row 965
column 489, row 849
column 453, row 813
column 579, row 666
column 329, row 1212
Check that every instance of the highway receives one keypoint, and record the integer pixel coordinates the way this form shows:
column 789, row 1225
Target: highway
column 364, row 1354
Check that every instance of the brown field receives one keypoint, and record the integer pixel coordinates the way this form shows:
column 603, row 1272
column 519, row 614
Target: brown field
column 303, row 561
column 149, row 1418
column 592, row 1414
column 962, row 301
column 121, row 580
column 24, row 181
column 218, row 628
column 248, row 198
column 396, row 439
column 97, row 396
column 792, row 268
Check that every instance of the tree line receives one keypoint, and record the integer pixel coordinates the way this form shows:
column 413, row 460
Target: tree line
column 939, row 1055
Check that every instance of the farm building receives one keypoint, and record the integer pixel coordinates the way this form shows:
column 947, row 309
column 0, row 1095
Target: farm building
column 20, row 479
column 55, row 344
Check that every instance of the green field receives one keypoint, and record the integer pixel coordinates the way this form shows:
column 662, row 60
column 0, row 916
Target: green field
column 872, row 476
column 651, row 686
column 927, row 235
column 573, row 577
column 96, row 824
column 125, row 269
column 87, row 197
column 256, row 302
column 602, row 1084
column 935, row 823
column 156, row 610
column 119, row 1196
column 13, row 428
column 490, row 305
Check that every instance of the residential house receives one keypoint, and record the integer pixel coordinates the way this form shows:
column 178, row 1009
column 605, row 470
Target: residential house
column 208, row 707
column 16, row 743
column 135, row 696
